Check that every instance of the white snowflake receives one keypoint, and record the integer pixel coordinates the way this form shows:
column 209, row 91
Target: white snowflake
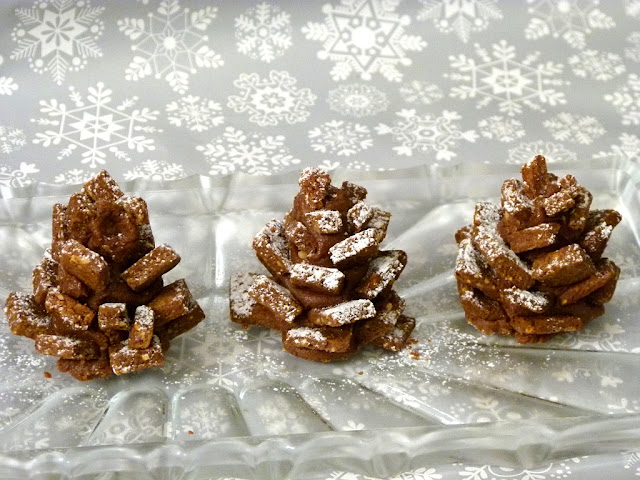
column 156, row 170
column 600, row 66
column 424, row 133
column 629, row 149
column 421, row 92
column 500, row 128
column 74, row 176
column 357, row 100
column 11, row 139
column 169, row 44
column 7, row 85
column 271, row 100
column 633, row 52
column 254, row 153
column 558, row 470
column 263, row 32
column 17, row 178
column 632, row 8
column 340, row 138
column 572, row 20
column 460, row 16
column 196, row 114
column 423, row 473
column 498, row 77
column 364, row 37
column 58, row 36
column 95, row 127
column 553, row 152
column 626, row 100
column 568, row 127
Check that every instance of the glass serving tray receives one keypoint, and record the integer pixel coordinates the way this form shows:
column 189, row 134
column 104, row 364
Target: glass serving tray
column 233, row 401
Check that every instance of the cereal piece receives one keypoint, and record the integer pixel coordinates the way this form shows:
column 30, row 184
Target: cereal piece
column 517, row 207
column 84, row 264
column 477, row 305
column 531, row 238
column 546, row 324
column 25, row 317
column 115, row 233
column 320, row 279
column 302, row 241
column 343, row 313
column 314, row 183
column 113, row 316
column 85, row 370
column 518, row 302
column 358, row 216
column 67, row 347
column 388, row 311
column 560, row 202
column 272, row 249
column 69, row 313
column 500, row 326
column 564, row 266
column 79, row 215
column 181, row 325
column 597, row 232
column 397, row 338
column 324, row 221
column 379, row 223
column 606, row 272
column 70, row 285
column 136, row 209
column 172, row 302
column 579, row 215
column 535, row 177
column 605, row 293
column 102, row 186
column 508, row 266
column 463, row 233
column 125, row 359
column 354, row 192
column 58, row 229
column 274, row 297
column 326, row 339
column 356, row 248
column 316, row 355
column 44, row 277
column 383, row 272
column 142, row 329
column 150, row 267
column 119, row 292
column 245, row 310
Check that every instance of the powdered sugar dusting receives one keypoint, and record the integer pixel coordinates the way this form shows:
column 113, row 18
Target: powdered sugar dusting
column 349, row 312
column 330, row 279
column 325, row 221
column 303, row 335
column 240, row 302
column 352, row 245
column 536, row 302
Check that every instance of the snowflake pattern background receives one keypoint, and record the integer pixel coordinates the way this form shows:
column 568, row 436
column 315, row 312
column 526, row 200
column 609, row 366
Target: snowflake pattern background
column 157, row 91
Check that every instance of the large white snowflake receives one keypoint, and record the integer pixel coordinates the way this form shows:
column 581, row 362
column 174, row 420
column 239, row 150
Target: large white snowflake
column 568, row 127
column 633, row 52
column 426, row 133
column 553, row 152
column 156, row 170
column 460, row 16
column 340, row 138
column 7, row 84
column 364, row 37
column 499, row 77
column 57, row 36
column 272, row 100
column 628, row 149
column 194, row 113
column 11, row 139
column 95, row 126
column 10, row 177
column 254, row 153
column 632, row 8
column 357, row 100
column 600, row 66
column 263, row 32
column 626, row 100
column 421, row 92
column 572, row 20
column 170, row 44
column 497, row 127
column 75, row 176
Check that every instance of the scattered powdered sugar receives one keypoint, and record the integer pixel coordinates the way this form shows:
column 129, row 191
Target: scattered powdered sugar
column 359, row 215
column 239, row 300
column 386, row 268
column 144, row 316
column 513, row 198
column 306, row 333
column 601, row 232
column 536, row 302
column 469, row 260
column 328, row 278
column 275, row 297
column 351, row 246
column 325, row 221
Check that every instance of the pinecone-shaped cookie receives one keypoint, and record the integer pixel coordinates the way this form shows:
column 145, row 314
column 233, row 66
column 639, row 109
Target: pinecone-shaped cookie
column 534, row 266
column 330, row 288
column 98, row 302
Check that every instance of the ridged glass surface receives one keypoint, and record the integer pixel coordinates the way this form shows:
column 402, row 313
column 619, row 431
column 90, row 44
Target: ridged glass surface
column 221, row 383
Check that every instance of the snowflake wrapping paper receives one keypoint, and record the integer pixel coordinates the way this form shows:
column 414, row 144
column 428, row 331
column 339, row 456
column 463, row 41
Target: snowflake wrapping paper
column 177, row 95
